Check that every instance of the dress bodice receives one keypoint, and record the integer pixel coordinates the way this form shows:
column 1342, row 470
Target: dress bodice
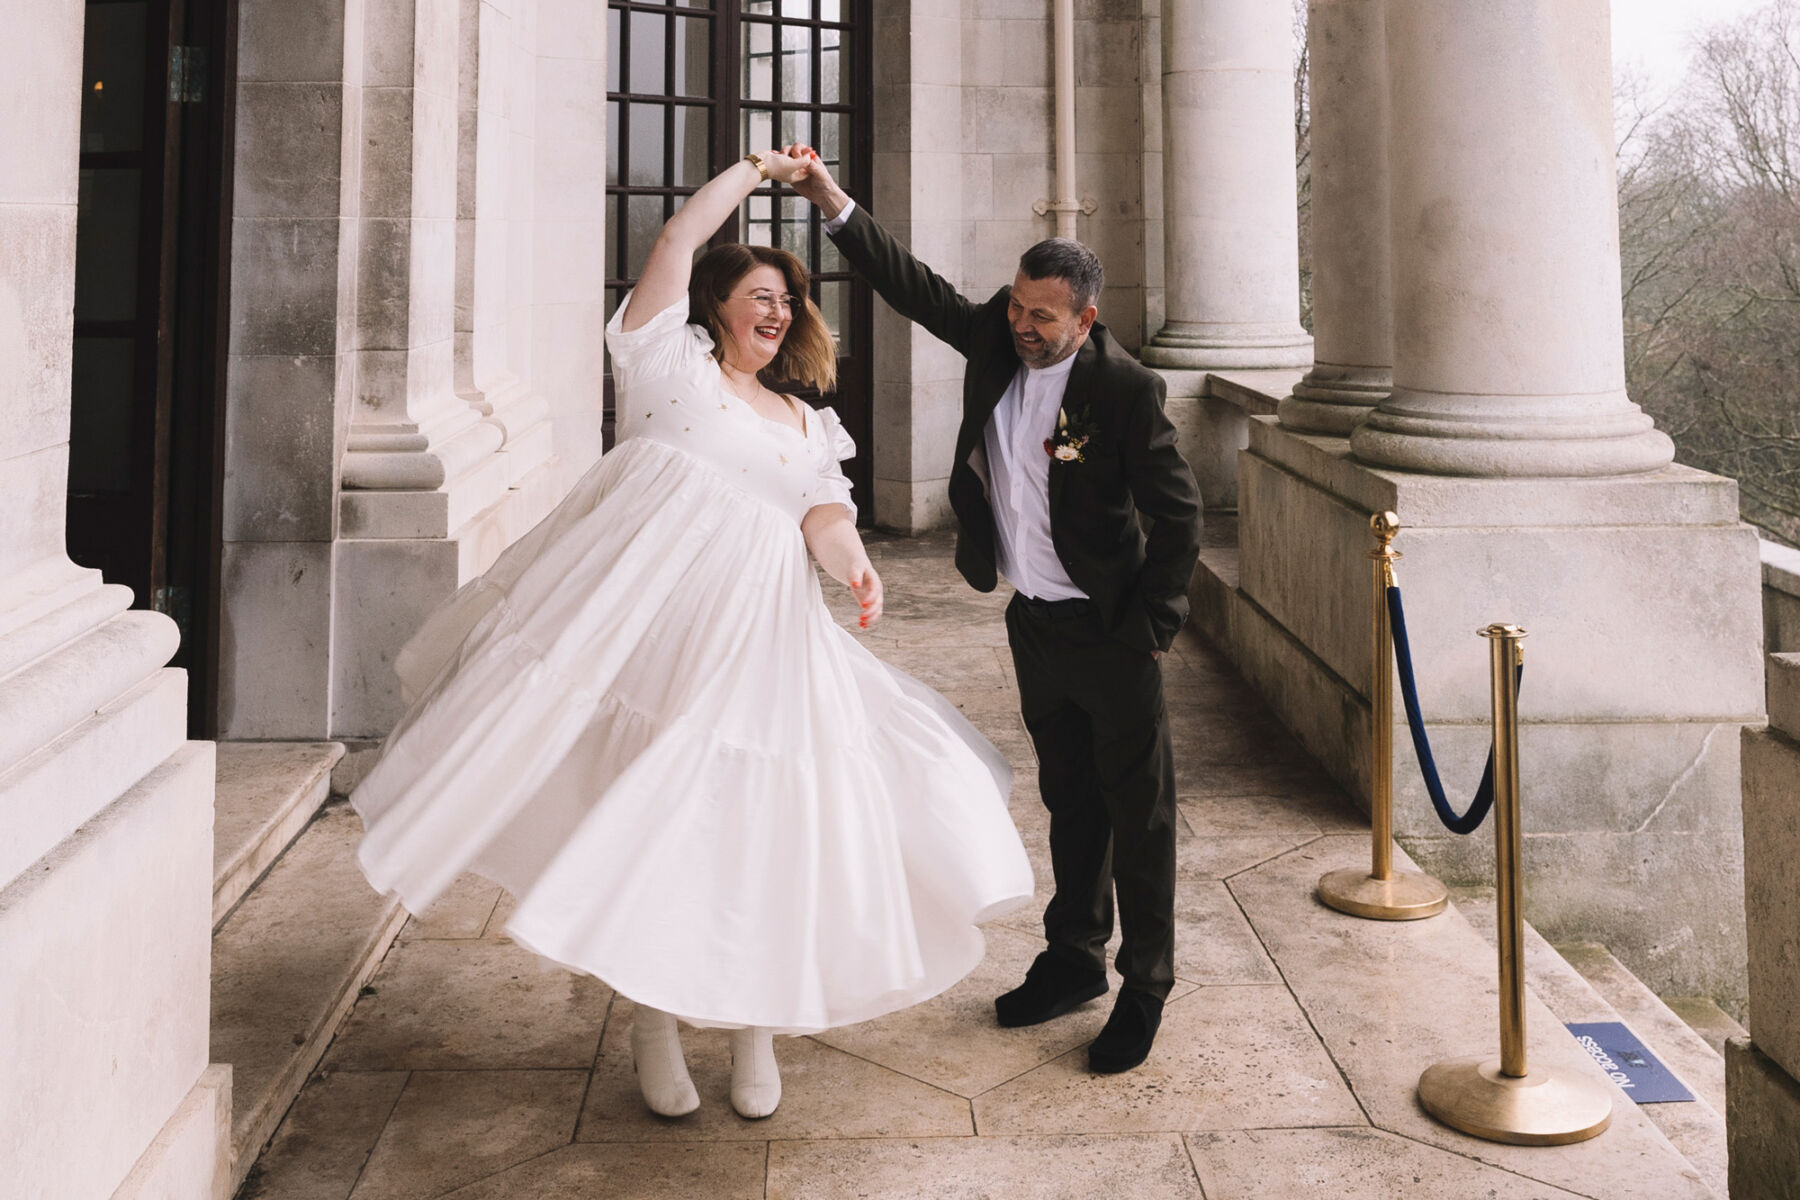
column 671, row 390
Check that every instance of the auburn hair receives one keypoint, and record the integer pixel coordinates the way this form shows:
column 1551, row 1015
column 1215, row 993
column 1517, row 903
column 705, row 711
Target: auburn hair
column 807, row 356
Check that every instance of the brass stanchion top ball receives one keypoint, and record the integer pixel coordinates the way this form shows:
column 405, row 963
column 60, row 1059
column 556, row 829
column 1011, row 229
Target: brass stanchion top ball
column 1384, row 525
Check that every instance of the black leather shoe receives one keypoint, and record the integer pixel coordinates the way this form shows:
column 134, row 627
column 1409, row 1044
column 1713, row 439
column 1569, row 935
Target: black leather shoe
column 1129, row 1033
column 1051, row 988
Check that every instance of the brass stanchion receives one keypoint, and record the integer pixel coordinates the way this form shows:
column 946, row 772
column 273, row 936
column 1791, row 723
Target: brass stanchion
column 1503, row 1099
column 1382, row 893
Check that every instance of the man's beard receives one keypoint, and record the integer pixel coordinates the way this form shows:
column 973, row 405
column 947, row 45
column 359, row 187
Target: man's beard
column 1045, row 353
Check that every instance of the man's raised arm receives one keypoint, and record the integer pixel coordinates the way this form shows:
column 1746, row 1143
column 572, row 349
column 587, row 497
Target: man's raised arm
column 910, row 287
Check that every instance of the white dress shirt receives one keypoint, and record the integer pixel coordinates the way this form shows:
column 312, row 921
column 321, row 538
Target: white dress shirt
column 1019, row 482
column 1018, row 474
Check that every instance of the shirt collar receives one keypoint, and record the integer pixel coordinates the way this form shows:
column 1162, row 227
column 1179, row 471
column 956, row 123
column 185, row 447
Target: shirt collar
column 1052, row 371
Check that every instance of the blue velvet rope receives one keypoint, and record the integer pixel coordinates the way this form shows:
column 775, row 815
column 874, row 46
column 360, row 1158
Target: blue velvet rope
column 1470, row 821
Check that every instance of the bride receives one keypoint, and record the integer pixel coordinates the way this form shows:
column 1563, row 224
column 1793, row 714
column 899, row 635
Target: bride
column 644, row 724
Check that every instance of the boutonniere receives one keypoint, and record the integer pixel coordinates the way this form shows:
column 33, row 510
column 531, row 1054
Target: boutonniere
column 1066, row 443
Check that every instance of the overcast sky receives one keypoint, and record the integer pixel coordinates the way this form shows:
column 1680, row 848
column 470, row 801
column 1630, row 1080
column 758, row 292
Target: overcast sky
column 1654, row 35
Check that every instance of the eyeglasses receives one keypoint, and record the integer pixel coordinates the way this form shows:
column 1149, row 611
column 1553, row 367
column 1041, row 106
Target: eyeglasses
column 772, row 301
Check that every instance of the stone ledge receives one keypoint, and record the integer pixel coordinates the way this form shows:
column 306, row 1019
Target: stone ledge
column 1784, row 693
column 1256, row 392
column 286, row 968
column 1781, row 567
column 265, row 795
column 1675, row 495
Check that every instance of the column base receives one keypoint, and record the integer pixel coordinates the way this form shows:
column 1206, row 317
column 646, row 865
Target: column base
column 1642, row 596
column 1332, row 399
column 1200, row 346
column 1520, row 437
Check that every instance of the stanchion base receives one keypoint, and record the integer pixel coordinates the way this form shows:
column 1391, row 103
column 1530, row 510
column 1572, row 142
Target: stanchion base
column 1550, row 1106
column 1408, row 896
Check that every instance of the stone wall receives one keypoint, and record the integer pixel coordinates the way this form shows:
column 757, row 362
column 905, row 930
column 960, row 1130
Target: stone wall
column 1763, row 1071
column 964, row 147
column 105, row 808
column 415, row 373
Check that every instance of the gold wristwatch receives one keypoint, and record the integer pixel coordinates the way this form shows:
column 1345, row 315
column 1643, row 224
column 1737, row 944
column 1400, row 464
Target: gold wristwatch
column 756, row 161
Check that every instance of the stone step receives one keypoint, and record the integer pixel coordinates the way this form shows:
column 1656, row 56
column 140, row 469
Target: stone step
column 265, row 795
column 287, row 965
column 1695, row 1128
column 1688, row 1053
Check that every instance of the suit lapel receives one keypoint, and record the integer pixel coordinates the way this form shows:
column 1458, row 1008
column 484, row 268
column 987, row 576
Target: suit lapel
column 1078, row 393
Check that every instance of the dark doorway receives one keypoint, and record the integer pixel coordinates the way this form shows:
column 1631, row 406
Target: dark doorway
column 150, row 274
column 691, row 88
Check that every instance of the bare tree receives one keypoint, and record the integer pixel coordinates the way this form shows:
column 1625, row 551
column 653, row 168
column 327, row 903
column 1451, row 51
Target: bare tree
column 1709, row 222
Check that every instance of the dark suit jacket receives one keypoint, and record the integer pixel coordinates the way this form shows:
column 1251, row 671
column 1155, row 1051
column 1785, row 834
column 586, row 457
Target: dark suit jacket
column 1131, row 464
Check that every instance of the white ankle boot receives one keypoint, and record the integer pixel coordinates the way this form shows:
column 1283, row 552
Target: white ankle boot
column 755, row 1080
column 661, row 1070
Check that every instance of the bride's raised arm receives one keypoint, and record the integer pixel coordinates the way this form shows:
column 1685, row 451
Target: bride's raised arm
column 665, row 276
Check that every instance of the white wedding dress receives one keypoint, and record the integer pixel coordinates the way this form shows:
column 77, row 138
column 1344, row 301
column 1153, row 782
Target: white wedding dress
column 645, row 725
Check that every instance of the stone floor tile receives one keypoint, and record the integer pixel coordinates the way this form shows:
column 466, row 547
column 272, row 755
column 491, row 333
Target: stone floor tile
column 1225, row 1058
column 461, row 912
column 825, row 1093
column 966, row 667
column 1284, row 777
column 625, row 1171
column 455, row 1127
column 1391, row 998
column 321, row 1145
column 1214, row 944
column 1348, row 1164
column 953, row 1041
column 1205, row 738
column 1305, row 812
column 448, row 1005
column 1056, row 1168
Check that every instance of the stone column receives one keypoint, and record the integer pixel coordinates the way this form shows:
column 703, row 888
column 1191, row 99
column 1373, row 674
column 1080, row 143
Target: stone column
column 1508, row 346
column 1232, row 244
column 485, row 378
column 1353, row 327
column 410, row 432
column 105, row 807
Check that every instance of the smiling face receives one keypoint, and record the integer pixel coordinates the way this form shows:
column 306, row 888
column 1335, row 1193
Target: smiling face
column 754, row 330
column 1046, row 326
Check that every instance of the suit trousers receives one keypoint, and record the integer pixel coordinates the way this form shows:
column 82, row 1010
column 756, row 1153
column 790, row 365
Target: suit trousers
column 1106, row 770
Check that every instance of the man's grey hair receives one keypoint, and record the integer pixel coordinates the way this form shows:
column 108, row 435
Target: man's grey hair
column 1066, row 258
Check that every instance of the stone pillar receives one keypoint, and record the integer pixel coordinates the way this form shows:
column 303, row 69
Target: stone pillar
column 484, row 377
column 1353, row 327
column 1508, row 345
column 1231, row 232
column 105, row 807
column 410, row 432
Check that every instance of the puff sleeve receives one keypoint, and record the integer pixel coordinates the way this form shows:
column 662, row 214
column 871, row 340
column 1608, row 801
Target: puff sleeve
column 834, row 486
column 662, row 346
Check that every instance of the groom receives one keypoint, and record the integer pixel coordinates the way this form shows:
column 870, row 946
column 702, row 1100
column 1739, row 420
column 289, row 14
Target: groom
column 1063, row 445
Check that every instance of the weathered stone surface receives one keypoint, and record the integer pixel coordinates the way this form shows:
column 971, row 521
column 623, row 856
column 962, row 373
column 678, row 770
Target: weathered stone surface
column 1210, row 1040
column 103, row 952
column 494, row 1119
column 1391, row 998
column 1764, row 1122
column 658, row 1171
column 1772, row 893
column 275, row 649
column 472, row 1005
column 1352, row 1164
column 1151, row 1167
column 266, row 793
column 825, row 1093
column 325, row 1139
column 286, row 966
